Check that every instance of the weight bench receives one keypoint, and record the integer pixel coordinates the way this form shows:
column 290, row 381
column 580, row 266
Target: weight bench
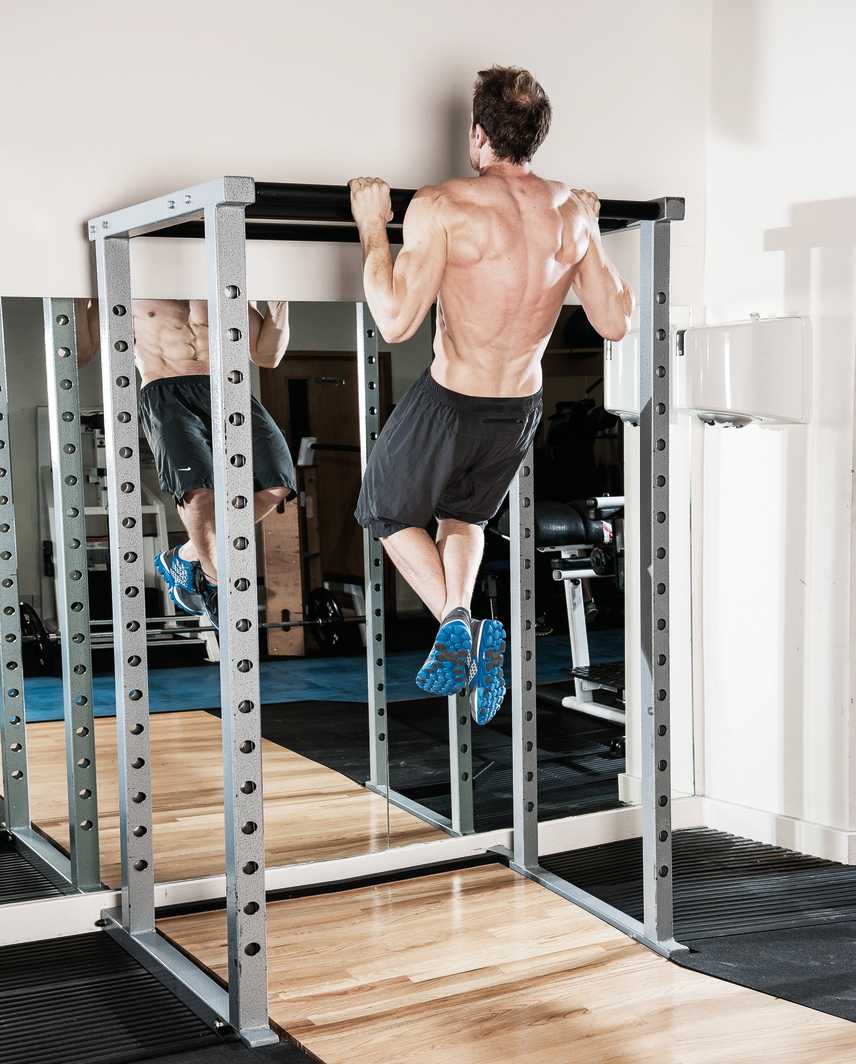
column 588, row 536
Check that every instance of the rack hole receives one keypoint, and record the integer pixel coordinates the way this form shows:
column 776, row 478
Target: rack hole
column 252, row 949
column 245, row 707
column 140, row 831
column 250, row 868
column 119, row 310
column 141, row 865
column 247, row 746
column 251, row 908
column 139, row 798
column 249, row 827
column 248, row 787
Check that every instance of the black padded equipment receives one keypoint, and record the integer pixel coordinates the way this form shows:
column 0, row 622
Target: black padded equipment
column 560, row 524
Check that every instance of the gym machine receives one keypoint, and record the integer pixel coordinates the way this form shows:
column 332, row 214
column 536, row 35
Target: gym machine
column 226, row 212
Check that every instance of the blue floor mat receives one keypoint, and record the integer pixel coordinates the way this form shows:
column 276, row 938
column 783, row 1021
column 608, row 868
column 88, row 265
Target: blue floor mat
column 299, row 679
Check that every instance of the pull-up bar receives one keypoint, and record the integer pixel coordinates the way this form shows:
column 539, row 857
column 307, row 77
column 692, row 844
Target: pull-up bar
column 286, row 211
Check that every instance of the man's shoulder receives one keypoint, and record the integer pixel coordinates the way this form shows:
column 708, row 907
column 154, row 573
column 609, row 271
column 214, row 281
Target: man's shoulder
column 446, row 192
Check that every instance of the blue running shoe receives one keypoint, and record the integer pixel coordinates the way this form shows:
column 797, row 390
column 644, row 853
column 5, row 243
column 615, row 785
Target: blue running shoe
column 175, row 570
column 487, row 688
column 209, row 600
column 180, row 578
column 447, row 668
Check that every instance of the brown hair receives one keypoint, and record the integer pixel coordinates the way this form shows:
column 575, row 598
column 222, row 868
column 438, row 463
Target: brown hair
column 513, row 110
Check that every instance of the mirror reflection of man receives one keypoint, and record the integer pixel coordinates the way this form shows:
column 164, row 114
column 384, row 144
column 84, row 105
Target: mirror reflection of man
column 500, row 253
column 172, row 356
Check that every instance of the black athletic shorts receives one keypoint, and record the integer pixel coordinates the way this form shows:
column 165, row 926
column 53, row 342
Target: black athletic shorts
column 444, row 454
column 175, row 413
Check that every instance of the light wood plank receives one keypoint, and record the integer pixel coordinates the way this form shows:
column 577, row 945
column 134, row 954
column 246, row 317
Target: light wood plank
column 482, row 966
column 311, row 812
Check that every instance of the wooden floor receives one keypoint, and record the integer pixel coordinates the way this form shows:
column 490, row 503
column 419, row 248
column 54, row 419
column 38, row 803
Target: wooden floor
column 484, row 967
column 311, row 812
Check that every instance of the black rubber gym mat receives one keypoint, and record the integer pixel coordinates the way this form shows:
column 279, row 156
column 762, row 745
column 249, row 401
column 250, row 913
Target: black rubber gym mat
column 84, row 1000
column 19, row 880
column 724, row 885
column 235, row 1053
column 812, row 965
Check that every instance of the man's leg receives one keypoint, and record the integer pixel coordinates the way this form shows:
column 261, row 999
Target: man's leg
column 414, row 554
column 197, row 516
column 443, row 574
column 460, row 546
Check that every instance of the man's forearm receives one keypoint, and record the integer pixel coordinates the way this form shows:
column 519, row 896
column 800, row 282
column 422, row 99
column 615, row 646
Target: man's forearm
column 86, row 335
column 274, row 333
column 609, row 299
column 378, row 279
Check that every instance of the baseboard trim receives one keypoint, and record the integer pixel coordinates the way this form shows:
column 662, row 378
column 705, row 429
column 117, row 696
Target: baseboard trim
column 818, row 840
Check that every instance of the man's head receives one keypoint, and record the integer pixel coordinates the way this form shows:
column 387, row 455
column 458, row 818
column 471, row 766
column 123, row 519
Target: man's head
column 511, row 115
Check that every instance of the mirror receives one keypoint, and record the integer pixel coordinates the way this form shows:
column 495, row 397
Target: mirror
column 579, row 456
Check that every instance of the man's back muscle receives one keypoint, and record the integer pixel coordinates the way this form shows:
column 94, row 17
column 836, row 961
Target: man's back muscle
column 512, row 244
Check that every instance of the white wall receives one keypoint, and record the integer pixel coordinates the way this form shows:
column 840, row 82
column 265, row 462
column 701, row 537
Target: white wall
column 776, row 504
column 110, row 104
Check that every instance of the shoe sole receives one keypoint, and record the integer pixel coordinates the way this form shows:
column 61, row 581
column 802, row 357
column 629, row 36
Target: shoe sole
column 446, row 668
column 488, row 691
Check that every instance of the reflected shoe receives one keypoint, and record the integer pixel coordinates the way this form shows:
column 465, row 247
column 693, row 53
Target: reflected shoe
column 487, row 688
column 180, row 577
column 208, row 594
column 187, row 601
column 447, row 668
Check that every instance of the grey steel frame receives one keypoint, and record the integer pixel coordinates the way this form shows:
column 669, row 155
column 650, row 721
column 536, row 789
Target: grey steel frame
column 460, row 740
column 15, row 804
column 222, row 205
column 656, row 929
column 70, row 556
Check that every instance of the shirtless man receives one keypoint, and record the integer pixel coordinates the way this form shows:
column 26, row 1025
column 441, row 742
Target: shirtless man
column 499, row 252
column 171, row 353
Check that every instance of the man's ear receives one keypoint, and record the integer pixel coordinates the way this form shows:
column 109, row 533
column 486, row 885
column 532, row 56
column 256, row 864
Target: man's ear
column 479, row 135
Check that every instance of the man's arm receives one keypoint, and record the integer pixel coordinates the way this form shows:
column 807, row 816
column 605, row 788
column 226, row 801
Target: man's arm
column 86, row 330
column 399, row 296
column 271, row 339
column 607, row 299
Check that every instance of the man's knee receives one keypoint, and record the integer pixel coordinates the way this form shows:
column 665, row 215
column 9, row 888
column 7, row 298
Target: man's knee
column 274, row 495
column 198, row 499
